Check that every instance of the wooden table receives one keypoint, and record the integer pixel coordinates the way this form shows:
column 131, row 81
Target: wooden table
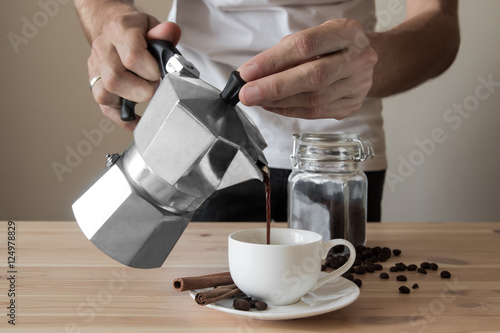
column 65, row 284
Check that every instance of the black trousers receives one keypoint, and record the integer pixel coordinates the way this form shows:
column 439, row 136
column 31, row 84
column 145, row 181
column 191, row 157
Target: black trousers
column 246, row 202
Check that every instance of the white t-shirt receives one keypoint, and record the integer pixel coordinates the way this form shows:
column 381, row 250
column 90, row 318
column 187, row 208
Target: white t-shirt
column 218, row 36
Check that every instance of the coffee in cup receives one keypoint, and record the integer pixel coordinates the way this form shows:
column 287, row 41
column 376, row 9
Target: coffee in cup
column 283, row 271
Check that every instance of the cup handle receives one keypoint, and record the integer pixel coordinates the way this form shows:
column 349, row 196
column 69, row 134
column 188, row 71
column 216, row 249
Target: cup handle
column 342, row 269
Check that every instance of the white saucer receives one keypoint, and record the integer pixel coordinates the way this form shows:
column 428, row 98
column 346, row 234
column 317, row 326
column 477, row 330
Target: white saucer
column 332, row 296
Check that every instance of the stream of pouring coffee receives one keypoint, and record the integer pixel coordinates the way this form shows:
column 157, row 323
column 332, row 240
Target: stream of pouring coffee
column 267, row 184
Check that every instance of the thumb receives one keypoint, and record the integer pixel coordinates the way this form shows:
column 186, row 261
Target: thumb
column 169, row 31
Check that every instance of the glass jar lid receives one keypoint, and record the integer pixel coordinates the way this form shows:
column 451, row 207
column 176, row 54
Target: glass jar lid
column 331, row 147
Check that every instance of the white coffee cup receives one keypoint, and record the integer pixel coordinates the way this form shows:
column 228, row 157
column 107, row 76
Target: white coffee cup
column 282, row 272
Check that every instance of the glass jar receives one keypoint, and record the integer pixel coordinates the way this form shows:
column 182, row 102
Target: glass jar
column 326, row 189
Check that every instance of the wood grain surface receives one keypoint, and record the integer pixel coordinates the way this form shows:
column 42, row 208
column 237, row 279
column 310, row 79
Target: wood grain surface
column 63, row 283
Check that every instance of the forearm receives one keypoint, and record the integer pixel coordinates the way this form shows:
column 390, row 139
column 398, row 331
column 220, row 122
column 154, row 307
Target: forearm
column 420, row 48
column 94, row 14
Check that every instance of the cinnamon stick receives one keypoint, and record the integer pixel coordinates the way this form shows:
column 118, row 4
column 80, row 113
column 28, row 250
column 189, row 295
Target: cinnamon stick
column 214, row 295
column 204, row 281
column 227, row 286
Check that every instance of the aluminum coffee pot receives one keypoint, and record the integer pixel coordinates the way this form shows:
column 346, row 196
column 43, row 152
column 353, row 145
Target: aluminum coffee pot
column 191, row 141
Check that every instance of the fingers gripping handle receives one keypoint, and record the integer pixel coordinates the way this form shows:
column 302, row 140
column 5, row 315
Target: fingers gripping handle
column 231, row 91
column 161, row 50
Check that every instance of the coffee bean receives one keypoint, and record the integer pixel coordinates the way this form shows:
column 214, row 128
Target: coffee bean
column 360, row 270
column 348, row 276
column 376, row 250
column 323, row 268
column 352, row 270
column 422, row 270
column 342, row 260
column 360, row 248
column 358, row 262
column 334, row 264
column 247, row 298
column 384, row 275
column 378, row 267
column 433, row 266
column 415, row 286
column 404, row 290
column 370, row 268
column 412, row 267
column 261, row 306
column 371, row 260
column 336, row 250
column 401, row 278
column 358, row 282
column 252, row 303
column 402, row 267
column 445, row 274
column 396, row 252
column 382, row 257
column 367, row 252
column 241, row 304
column 394, row 269
column 425, row 265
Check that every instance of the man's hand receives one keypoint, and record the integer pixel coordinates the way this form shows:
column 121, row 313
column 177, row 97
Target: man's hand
column 120, row 56
column 327, row 71
column 322, row 72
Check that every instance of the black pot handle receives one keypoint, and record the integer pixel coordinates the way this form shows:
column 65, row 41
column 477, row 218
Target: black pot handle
column 162, row 51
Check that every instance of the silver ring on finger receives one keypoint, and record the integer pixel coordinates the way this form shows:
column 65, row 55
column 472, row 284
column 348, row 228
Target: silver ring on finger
column 94, row 80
